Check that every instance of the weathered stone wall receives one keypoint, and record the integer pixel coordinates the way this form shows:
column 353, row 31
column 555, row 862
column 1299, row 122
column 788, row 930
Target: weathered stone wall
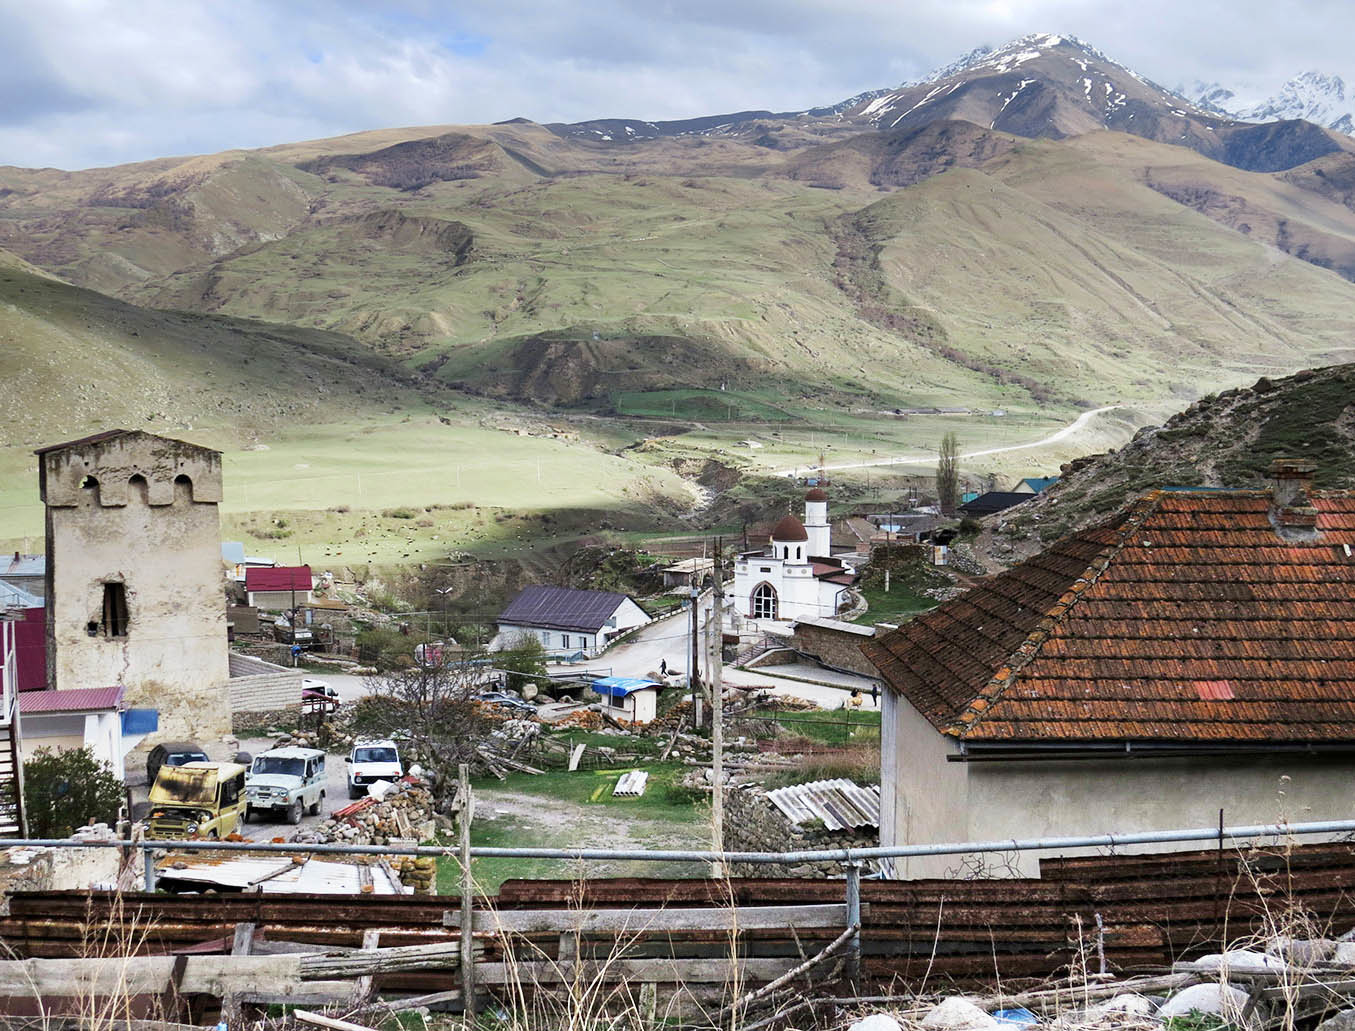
column 753, row 824
column 840, row 648
column 140, row 511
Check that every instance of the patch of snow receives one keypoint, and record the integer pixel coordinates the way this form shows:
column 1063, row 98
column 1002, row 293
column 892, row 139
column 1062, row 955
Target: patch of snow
column 1087, row 88
column 878, row 104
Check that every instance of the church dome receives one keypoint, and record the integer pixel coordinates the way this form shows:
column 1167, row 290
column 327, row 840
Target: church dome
column 817, row 494
column 790, row 529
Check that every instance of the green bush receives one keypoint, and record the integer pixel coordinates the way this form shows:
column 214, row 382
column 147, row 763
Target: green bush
column 67, row 789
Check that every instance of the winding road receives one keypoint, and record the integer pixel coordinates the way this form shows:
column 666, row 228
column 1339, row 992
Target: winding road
column 1072, row 429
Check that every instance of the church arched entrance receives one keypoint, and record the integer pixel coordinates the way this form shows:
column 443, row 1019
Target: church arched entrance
column 763, row 603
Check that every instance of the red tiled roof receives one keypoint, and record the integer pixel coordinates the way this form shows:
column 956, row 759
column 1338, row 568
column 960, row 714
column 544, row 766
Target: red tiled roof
column 279, row 578
column 1187, row 618
column 84, row 699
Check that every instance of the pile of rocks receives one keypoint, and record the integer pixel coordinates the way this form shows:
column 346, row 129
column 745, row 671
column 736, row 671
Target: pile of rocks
column 754, row 824
column 418, row 872
column 405, row 812
column 583, row 719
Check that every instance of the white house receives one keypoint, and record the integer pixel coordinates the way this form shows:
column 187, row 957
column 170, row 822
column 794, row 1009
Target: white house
column 1194, row 653
column 794, row 577
column 279, row 588
column 629, row 699
column 82, row 717
column 568, row 621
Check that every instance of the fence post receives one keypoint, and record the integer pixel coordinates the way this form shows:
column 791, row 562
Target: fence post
column 853, row 870
column 467, row 902
column 148, row 861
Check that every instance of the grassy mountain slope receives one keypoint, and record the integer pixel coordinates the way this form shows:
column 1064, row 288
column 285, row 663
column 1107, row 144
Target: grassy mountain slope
column 72, row 360
column 1223, row 440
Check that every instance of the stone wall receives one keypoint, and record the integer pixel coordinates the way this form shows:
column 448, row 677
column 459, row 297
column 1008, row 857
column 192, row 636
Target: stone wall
column 754, row 824
column 839, row 648
column 259, row 686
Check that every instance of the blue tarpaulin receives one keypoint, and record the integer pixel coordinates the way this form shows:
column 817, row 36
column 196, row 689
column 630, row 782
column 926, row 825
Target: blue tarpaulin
column 620, row 687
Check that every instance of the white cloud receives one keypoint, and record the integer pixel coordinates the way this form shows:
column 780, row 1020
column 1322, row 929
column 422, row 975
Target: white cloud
column 97, row 81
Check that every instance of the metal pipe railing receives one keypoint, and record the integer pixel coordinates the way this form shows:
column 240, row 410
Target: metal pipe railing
column 838, row 855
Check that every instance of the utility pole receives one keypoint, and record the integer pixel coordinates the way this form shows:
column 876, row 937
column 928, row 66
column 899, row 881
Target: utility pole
column 693, row 680
column 717, row 713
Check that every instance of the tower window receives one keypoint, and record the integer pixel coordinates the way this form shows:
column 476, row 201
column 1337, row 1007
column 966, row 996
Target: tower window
column 115, row 610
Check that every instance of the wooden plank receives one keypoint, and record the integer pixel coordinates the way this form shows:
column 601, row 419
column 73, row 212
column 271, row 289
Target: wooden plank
column 241, row 943
column 743, row 918
column 362, row 988
column 319, row 1020
column 663, row 971
column 381, row 961
column 149, row 975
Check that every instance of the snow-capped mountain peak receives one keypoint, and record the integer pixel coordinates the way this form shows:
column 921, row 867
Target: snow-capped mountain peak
column 1312, row 96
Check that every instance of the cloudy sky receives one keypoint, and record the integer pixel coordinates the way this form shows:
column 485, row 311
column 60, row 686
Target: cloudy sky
column 96, row 82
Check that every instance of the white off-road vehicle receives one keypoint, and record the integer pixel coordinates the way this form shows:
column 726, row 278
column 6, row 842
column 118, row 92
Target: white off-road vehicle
column 286, row 781
column 371, row 761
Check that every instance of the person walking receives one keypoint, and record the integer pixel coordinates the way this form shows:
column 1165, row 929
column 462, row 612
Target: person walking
column 875, row 694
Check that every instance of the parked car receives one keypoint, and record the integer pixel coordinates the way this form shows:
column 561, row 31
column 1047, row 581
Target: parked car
column 505, row 700
column 172, row 753
column 286, row 781
column 371, row 761
column 318, row 696
column 196, row 800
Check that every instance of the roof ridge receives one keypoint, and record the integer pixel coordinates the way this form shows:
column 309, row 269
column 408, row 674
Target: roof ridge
column 1025, row 653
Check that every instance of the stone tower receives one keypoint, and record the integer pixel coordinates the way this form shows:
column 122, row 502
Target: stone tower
column 134, row 576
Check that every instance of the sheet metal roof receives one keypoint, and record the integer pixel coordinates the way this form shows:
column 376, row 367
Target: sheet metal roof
column 279, row 578
column 994, row 501
column 22, row 565
column 839, row 804
column 621, row 687
column 83, row 699
column 274, row 875
column 561, row 608
column 1185, row 618
column 12, row 597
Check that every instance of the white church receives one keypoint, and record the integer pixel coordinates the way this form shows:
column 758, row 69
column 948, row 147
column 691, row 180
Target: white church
column 794, row 577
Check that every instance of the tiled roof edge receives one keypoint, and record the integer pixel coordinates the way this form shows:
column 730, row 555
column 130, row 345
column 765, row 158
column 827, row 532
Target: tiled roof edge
column 981, row 704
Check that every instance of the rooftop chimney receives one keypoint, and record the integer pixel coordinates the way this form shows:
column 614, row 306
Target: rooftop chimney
column 1291, row 511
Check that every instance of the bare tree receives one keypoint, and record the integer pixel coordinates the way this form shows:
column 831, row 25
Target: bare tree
column 431, row 712
column 948, row 474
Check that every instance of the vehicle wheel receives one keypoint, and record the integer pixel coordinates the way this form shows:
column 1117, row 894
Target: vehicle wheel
column 315, row 809
column 354, row 792
column 249, row 814
column 294, row 812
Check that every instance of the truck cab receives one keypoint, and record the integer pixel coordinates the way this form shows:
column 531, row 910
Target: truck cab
column 196, row 800
column 283, row 782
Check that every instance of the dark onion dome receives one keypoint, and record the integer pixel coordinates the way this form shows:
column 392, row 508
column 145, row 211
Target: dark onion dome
column 817, row 494
column 790, row 529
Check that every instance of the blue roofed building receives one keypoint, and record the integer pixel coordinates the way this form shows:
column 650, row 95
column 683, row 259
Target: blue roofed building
column 1034, row 484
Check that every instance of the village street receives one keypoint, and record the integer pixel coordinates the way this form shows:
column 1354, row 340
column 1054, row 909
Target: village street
column 667, row 641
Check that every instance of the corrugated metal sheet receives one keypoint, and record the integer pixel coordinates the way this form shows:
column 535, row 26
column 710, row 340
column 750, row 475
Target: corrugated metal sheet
column 83, row 699
column 561, row 608
column 279, row 876
column 279, row 578
column 839, row 804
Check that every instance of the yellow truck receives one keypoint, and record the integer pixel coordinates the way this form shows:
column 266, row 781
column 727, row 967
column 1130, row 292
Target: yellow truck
column 197, row 800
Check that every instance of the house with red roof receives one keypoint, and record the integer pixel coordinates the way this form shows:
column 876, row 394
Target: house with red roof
column 279, row 588
column 1193, row 654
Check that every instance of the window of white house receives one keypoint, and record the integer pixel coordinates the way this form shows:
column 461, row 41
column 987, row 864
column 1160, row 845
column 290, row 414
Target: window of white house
column 564, row 640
